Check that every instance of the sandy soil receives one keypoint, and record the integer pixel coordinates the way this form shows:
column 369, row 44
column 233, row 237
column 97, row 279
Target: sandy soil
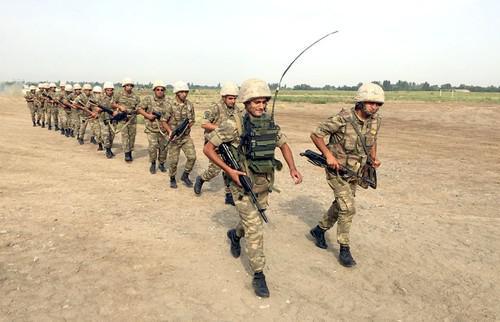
column 87, row 238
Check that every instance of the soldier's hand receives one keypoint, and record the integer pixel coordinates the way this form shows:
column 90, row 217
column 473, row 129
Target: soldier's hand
column 296, row 176
column 235, row 176
column 376, row 163
column 151, row 117
column 332, row 162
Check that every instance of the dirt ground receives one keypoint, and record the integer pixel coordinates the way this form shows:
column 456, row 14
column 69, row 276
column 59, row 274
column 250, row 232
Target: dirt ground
column 86, row 238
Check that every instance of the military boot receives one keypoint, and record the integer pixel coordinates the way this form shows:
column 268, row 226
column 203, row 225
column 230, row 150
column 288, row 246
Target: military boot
column 56, row 128
column 229, row 199
column 72, row 133
column 345, row 257
column 235, row 243
column 173, row 182
column 49, row 127
column 34, row 123
column 198, row 183
column 43, row 124
column 92, row 140
column 63, row 131
column 99, row 148
column 186, row 180
column 38, row 123
column 259, row 284
column 161, row 167
column 109, row 153
column 319, row 237
column 80, row 141
column 68, row 133
column 128, row 156
column 152, row 168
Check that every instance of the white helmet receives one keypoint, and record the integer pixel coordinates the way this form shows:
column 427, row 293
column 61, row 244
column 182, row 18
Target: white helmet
column 39, row 86
column 180, row 86
column 97, row 89
column 32, row 87
column 52, row 85
column 127, row 81
column 77, row 86
column 108, row 85
column 159, row 83
column 62, row 84
column 45, row 85
column 68, row 88
column 87, row 87
column 229, row 89
column 370, row 92
column 253, row 88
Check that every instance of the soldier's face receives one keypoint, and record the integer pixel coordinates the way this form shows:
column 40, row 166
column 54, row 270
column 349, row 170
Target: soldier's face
column 257, row 106
column 86, row 91
column 160, row 92
column 128, row 88
column 230, row 100
column 78, row 91
column 108, row 91
column 372, row 107
column 182, row 95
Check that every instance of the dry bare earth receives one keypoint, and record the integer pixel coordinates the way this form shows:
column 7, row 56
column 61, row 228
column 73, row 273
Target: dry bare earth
column 86, row 238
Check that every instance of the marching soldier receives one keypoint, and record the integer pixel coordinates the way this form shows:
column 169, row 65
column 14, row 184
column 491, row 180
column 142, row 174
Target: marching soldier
column 106, row 128
column 212, row 119
column 95, row 128
column 75, row 112
column 179, row 109
column 30, row 100
column 258, row 165
column 350, row 134
column 82, row 101
column 127, row 101
column 155, row 125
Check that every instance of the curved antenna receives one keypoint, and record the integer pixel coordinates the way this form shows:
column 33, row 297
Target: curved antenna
column 286, row 70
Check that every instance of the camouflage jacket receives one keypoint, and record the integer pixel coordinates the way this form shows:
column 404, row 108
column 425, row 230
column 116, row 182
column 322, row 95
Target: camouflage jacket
column 153, row 104
column 105, row 101
column 129, row 101
column 83, row 100
column 343, row 140
column 218, row 113
column 29, row 97
column 176, row 112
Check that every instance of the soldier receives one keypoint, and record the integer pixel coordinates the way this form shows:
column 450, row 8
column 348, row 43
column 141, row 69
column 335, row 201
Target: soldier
column 75, row 112
column 155, row 127
column 60, row 109
column 345, row 148
column 106, row 129
column 95, row 128
column 178, row 110
column 42, row 102
column 212, row 119
column 30, row 100
column 127, row 101
column 66, row 111
column 254, row 123
column 82, row 101
column 51, row 109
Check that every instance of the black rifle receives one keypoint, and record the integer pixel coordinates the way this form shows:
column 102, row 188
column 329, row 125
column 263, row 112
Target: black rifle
column 345, row 173
column 156, row 114
column 179, row 130
column 118, row 117
column 245, row 181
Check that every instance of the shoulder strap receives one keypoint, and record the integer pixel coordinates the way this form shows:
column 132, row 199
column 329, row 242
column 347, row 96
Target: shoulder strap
column 361, row 138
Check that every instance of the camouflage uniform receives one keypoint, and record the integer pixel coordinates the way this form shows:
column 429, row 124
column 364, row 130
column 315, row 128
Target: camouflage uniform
column 40, row 109
column 250, row 225
column 346, row 147
column 107, row 132
column 216, row 114
column 158, row 144
column 75, row 115
column 95, row 128
column 83, row 100
column 131, row 103
column 51, row 110
column 30, row 100
column 175, row 113
column 64, row 112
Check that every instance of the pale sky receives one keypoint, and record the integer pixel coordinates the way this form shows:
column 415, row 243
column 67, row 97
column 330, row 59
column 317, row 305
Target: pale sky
column 207, row 42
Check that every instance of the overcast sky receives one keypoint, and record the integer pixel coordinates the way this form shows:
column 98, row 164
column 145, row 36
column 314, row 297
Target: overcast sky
column 207, row 42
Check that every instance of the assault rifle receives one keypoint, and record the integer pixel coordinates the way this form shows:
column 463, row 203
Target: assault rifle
column 245, row 181
column 118, row 117
column 179, row 130
column 344, row 172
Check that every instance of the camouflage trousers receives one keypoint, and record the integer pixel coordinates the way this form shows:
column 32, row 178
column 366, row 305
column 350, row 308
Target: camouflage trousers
column 128, row 134
column 107, row 134
column 187, row 146
column 251, row 226
column 342, row 209
column 41, row 114
column 158, row 146
column 65, row 118
column 38, row 112
column 32, row 109
column 75, row 121
column 52, row 115
column 211, row 172
column 95, row 130
column 84, row 120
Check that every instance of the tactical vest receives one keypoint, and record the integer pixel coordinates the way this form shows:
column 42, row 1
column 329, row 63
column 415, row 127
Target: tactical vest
column 258, row 142
column 346, row 145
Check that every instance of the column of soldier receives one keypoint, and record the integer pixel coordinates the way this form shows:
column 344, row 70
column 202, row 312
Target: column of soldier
column 247, row 135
